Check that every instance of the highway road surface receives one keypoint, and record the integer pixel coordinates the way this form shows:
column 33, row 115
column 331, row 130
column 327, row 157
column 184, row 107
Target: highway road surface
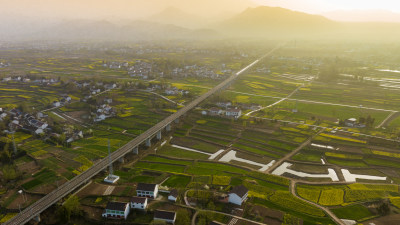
column 42, row 204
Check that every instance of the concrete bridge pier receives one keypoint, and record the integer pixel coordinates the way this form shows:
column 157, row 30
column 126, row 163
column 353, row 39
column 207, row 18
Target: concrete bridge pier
column 168, row 127
column 159, row 135
column 121, row 160
column 135, row 150
column 148, row 142
column 177, row 120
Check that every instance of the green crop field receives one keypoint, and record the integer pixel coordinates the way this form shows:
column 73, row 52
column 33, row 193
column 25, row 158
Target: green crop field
column 309, row 194
column 331, row 197
column 180, row 153
column 177, row 181
column 352, row 212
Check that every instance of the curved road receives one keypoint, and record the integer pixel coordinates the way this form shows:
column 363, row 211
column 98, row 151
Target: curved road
column 326, row 210
column 50, row 199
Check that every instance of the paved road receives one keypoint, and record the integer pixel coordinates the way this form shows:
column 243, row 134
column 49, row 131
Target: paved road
column 165, row 98
column 316, row 102
column 48, row 200
column 326, row 210
column 388, row 119
column 349, row 132
column 276, row 103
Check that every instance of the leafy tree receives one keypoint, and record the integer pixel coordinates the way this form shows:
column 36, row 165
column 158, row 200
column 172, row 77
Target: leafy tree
column 182, row 217
column 10, row 172
column 71, row 207
column 211, row 205
column 383, row 209
column 290, row 220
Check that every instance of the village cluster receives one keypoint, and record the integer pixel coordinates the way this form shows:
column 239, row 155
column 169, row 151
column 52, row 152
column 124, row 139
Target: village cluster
column 4, row 64
column 146, row 70
column 150, row 192
column 227, row 109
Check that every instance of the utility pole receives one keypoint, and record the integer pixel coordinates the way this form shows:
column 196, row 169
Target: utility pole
column 110, row 161
column 14, row 146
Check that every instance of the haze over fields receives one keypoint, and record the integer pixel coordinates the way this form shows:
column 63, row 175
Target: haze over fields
column 132, row 20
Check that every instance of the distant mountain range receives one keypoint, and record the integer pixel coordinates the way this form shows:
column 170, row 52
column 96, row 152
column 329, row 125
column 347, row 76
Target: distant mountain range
column 172, row 23
column 275, row 21
column 178, row 17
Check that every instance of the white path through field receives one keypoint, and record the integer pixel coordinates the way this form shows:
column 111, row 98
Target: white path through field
column 191, row 149
column 231, row 155
column 109, row 190
column 349, row 177
column 284, row 169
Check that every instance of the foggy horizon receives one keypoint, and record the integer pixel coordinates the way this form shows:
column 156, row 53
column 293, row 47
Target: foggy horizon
column 120, row 10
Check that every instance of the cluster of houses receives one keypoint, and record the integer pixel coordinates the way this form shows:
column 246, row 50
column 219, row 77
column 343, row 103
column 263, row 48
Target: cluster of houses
column 263, row 69
column 42, row 81
column 94, row 88
column 65, row 99
column 115, row 65
column 175, row 91
column 4, row 65
column 196, row 71
column 353, row 122
column 225, row 109
column 104, row 111
column 141, row 69
column 120, row 210
column 21, row 120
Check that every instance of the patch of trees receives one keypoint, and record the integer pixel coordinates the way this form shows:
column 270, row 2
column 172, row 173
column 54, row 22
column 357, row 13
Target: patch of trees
column 369, row 121
column 70, row 208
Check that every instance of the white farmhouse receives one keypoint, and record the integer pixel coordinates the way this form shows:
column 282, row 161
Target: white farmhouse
column 56, row 104
column 166, row 216
column 238, row 195
column 235, row 113
column 116, row 210
column 138, row 203
column 147, row 190
column 170, row 92
column 100, row 117
column 173, row 195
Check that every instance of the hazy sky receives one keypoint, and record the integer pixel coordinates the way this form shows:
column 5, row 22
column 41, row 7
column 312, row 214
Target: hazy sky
column 134, row 9
column 131, row 9
column 317, row 6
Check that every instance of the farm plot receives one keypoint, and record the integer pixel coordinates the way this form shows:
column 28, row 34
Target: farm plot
column 195, row 144
column 271, row 139
column 263, row 85
column 331, row 195
column 285, row 199
column 352, row 95
column 45, row 176
column 177, row 181
column 161, row 167
column 352, row 212
column 272, row 148
column 299, row 111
